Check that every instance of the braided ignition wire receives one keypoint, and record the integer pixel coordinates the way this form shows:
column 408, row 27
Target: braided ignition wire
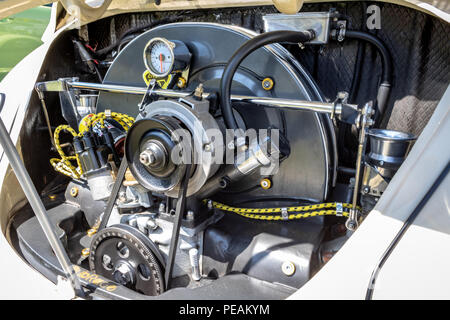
column 124, row 120
column 287, row 213
column 64, row 165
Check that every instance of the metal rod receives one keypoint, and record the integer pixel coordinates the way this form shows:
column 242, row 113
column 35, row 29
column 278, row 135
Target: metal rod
column 116, row 88
column 366, row 122
column 47, row 119
column 361, row 149
column 37, row 205
column 322, row 107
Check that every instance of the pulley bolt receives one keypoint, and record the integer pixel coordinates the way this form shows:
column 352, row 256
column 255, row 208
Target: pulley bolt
column 194, row 259
column 288, row 268
column 162, row 208
column 123, row 274
column 147, row 157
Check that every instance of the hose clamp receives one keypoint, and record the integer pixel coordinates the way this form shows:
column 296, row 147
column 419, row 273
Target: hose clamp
column 284, row 214
column 341, row 100
column 339, row 209
column 210, row 205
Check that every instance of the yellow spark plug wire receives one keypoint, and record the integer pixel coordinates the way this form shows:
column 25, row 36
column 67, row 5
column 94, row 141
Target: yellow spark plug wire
column 64, row 164
column 287, row 213
column 124, row 120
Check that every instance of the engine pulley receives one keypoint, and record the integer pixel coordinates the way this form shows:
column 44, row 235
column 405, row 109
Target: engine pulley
column 123, row 254
column 150, row 147
column 171, row 134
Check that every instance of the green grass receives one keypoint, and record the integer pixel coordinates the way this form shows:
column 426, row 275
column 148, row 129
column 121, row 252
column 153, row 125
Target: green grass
column 19, row 35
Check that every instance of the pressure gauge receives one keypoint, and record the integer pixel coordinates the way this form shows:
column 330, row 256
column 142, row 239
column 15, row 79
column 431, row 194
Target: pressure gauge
column 162, row 57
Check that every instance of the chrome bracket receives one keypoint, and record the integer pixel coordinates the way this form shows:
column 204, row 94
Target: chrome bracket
column 364, row 121
column 284, row 214
column 339, row 209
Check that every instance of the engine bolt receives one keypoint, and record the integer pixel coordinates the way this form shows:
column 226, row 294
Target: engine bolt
column 74, row 192
column 223, row 182
column 190, row 215
column 91, row 232
column 133, row 222
column 194, row 259
column 267, row 84
column 266, row 184
column 151, row 225
column 351, row 225
column 288, row 268
column 122, row 196
column 181, row 82
column 207, row 147
column 198, row 93
column 85, row 252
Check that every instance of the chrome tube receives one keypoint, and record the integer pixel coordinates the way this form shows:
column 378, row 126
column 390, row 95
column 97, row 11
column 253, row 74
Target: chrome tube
column 322, row 107
column 116, row 88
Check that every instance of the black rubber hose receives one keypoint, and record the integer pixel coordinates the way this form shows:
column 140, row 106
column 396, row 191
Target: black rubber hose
column 359, row 59
column 357, row 73
column 386, row 65
column 247, row 48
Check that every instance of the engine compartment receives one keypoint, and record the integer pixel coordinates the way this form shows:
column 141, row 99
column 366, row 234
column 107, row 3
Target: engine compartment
column 264, row 209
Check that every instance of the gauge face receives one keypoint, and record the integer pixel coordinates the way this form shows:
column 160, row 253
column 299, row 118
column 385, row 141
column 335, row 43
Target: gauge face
column 159, row 57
